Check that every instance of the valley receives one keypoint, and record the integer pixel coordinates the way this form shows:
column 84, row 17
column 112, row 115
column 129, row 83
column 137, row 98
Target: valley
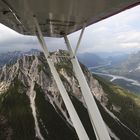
column 124, row 72
column 31, row 107
column 130, row 84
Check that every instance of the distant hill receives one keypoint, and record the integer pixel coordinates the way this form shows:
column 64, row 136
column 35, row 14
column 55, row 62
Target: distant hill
column 130, row 67
column 11, row 57
column 91, row 59
column 113, row 57
column 117, row 58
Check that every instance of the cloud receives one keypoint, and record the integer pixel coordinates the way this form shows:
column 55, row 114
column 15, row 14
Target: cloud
column 131, row 45
column 11, row 40
column 129, row 36
column 116, row 33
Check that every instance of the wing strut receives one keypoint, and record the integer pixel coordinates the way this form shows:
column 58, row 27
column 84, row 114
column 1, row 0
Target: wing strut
column 79, row 40
column 72, row 112
column 94, row 114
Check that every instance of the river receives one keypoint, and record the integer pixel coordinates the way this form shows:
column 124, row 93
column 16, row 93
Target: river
column 114, row 77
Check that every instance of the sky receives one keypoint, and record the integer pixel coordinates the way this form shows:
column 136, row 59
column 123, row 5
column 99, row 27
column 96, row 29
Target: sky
column 119, row 33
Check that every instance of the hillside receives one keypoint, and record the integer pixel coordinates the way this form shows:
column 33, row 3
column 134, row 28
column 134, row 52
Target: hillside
column 31, row 107
column 123, row 104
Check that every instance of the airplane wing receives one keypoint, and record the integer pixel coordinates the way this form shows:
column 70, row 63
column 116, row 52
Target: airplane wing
column 58, row 17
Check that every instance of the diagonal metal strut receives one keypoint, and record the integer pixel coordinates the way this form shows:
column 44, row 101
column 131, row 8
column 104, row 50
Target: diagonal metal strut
column 71, row 110
column 94, row 114
column 79, row 40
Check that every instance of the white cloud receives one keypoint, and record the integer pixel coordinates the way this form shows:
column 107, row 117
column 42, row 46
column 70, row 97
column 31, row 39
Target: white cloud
column 116, row 33
column 110, row 34
column 130, row 45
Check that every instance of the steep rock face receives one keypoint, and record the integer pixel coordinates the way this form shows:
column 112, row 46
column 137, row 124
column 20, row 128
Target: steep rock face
column 31, row 106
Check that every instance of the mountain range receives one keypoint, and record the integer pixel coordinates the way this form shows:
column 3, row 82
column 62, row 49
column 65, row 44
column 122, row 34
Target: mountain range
column 91, row 59
column 11, row 57
column 31, row 107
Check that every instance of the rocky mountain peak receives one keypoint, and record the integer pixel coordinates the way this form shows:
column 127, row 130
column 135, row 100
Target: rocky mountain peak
column 28, row 92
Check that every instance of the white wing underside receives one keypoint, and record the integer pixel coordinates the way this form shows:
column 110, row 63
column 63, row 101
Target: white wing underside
column 58, row 17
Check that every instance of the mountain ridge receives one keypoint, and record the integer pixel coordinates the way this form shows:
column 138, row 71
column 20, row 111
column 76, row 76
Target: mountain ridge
column 30, row 84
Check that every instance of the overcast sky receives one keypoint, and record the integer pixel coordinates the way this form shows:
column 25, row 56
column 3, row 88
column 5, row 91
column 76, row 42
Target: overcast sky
column 118, row 33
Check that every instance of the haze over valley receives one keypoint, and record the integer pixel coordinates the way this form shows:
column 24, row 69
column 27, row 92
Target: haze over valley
column 122, row 69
